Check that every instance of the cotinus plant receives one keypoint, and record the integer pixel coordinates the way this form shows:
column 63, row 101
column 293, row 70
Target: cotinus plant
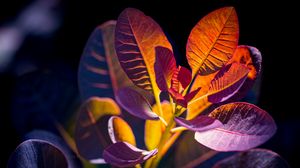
column 128, row 66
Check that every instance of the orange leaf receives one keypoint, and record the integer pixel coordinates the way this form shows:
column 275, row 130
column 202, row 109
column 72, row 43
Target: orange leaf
column 227, row 82
column 213, row 41
column 137, row 35
column 196, row 105
column 251, row 57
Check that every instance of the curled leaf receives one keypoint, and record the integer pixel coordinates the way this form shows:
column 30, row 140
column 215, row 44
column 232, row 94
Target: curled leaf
column 91, row 135
column 122, row 154
column 252, row 59
column 72, row 159
column 136, row 37
column 135, row 104
column 199, row 124
column 37, row 153
column 227, row 82
column 120, row 131
column 212, row 41
column 253, row 158
column 245, row 126
column 165, row 65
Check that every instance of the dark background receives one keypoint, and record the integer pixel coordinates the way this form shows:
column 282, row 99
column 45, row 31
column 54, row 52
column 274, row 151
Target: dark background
column 271, row 27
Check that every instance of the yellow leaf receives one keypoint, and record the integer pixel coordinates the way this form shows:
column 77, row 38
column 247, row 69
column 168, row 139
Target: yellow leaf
column 213, row 41
column 91, row 134
column 120, row 131
column 198, row 104
column 154, row 129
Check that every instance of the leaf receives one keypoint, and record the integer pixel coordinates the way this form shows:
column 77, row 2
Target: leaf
column 91, row 135
column 181, row 79
column 227, row 82
column 245, row 126
column 122, row 154
column 100, row 73
column 136, row 37
column 164, row 67
column 197, row 105
column 251, row 57
column 58, row 143
column 188, row 149
column 135, row 104
column 199, row 124
column 212, row 41
column 253, row 158
column 154, row 129
column 120, row 131
column 37, row 153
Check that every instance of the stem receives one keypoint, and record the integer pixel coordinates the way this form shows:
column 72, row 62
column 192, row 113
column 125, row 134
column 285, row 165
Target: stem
column 170, row 142
column 162, row 142
column 157, row 100
column 200, row 159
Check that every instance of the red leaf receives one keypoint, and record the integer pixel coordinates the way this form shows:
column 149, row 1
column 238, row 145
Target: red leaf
column 164, row 67
column 181, row 79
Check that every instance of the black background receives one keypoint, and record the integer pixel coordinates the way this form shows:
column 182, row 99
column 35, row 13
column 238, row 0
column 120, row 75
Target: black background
column 269, row 26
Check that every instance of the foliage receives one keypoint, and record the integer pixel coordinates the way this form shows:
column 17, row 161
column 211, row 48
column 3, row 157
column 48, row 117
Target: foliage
column 128, row 62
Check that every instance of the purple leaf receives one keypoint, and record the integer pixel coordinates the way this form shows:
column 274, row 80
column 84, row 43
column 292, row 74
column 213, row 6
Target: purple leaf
column 122, row 154
column 57, row 142
column 201, row 123
column 135, row 104
column 94, row 78
column 245, row 126
column 164, row 67
column 227, row 82
column 37, row 153
column 253, row 158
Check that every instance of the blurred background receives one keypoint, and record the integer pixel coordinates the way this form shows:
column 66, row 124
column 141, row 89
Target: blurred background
column 41, row 42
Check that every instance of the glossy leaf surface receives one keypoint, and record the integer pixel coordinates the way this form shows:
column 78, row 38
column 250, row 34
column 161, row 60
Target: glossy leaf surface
column 245, row 126
column 212, row 41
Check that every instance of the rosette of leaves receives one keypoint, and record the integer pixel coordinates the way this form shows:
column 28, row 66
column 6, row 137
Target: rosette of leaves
column 127, row 62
